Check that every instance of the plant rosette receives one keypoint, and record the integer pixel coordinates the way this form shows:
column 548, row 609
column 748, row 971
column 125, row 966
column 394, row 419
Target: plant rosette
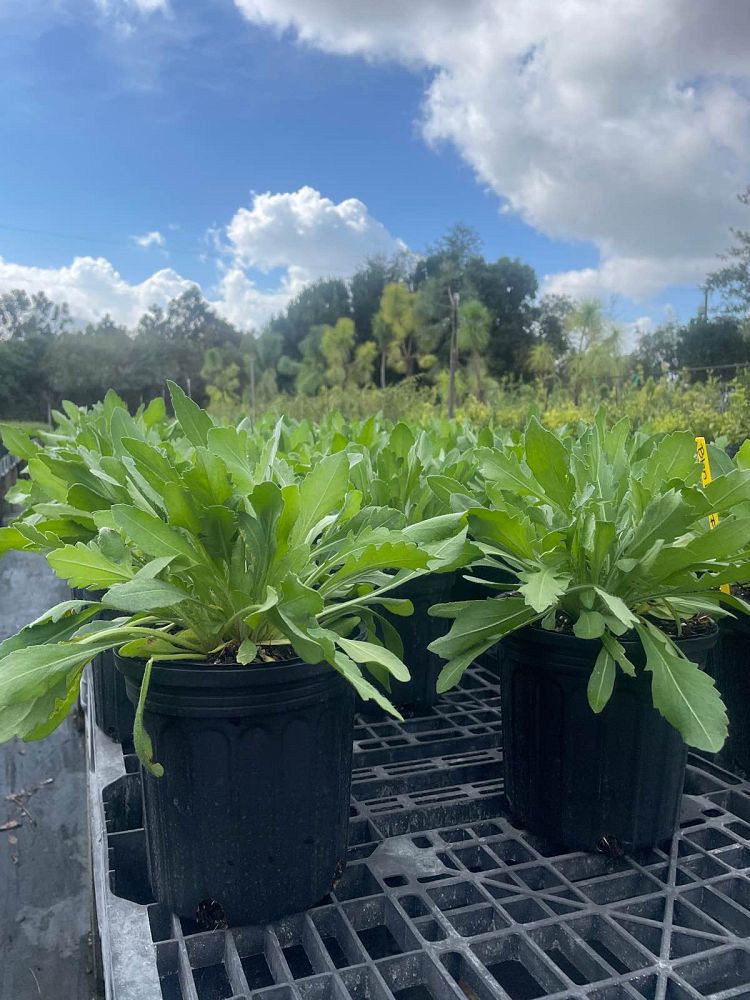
column 608, row 536
column 222, row 561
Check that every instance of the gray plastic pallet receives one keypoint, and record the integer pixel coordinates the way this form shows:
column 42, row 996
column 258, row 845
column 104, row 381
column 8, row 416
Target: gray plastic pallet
column 443, row 897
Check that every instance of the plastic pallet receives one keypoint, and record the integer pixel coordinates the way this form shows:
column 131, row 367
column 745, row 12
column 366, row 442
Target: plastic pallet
column 443, row 897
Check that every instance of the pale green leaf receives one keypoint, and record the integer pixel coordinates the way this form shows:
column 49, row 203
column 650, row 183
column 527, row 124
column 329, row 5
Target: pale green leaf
column 194, row 422
column 601, row 681
column 247, row 651
column 370, row 652
column 685, row 695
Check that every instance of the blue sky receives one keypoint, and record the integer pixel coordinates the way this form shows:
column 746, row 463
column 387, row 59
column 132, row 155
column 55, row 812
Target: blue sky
column 128, row 117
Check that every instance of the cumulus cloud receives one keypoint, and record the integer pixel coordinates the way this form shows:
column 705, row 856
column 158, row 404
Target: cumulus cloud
column 624, row 123
column 301, row 233
column 308, row 232
column 92, row 287
column 247, row 306
column 151, row 239
column 635, row 277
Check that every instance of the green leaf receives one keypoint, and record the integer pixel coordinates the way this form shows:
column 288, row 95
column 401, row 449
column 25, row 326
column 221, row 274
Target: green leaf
column 541, row 588
column 664, row 519
column 56, row 625
column 86, row 566
column 508, row 532
column 397, row 606
column 725, row 492
column 155, row 413
column 259, row 529
column 322, row 491
column 590, row 625
column 481, row 621
column 150, row 534
column 194, row 422
column 12, row 539
column 376, row 556
column 26, row 673
column 685, row 695
column 673, row 458
column 617, row 607
column 444, row 539
column 549, row 462
column 504, row 469
column 235, row 450
column 141, row 739
column 181, row 509
column 247, row 651
column 143, row 594
column 18, row 442
column 618, row 654
column 742, row 458
column 454, row 669
column 370, row 652
column 602, row 681
column 349, row 670
column 151, row 463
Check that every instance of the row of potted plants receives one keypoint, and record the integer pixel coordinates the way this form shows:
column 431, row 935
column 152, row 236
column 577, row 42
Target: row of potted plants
column 248, row 580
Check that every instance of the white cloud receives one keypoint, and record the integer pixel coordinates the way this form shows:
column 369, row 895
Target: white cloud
column 92, row 287
column 302, row 233
column 151, row 239
column 303, row 230
column 635, row 277
column 625, row 123
column 249, row 307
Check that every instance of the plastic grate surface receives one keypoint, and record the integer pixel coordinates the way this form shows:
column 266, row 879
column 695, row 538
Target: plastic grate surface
column 444, row 898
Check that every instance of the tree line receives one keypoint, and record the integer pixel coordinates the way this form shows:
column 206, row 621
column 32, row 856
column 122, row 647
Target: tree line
column 450, row 319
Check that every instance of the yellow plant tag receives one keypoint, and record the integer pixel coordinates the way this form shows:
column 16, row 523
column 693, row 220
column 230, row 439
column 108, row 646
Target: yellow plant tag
column 713, row 519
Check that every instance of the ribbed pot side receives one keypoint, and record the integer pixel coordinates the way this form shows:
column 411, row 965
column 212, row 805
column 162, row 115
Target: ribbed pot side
column 252, row 811
column 582, row 780
column 729, row 665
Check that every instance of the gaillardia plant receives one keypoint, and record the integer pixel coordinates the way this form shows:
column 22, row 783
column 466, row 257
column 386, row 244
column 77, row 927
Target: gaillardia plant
column 618, row 574
column 237, row 602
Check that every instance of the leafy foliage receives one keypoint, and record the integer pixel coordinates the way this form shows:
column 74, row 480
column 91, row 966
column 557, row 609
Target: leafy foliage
column 207, row 544
column 607, row 532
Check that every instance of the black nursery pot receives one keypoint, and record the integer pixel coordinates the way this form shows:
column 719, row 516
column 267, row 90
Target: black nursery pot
column 729, row 665
column 113, row 710
column 580, row 779
column 250, row 820
column 468, row 590
column 417, row 632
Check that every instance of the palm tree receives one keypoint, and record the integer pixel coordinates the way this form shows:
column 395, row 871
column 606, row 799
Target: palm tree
column 474, row 322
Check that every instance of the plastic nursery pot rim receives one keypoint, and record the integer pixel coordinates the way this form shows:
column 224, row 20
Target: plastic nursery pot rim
column 561, row 651
column 195, row 688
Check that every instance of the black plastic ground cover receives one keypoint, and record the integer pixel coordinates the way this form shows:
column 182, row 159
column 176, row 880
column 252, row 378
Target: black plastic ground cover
column 443, row 897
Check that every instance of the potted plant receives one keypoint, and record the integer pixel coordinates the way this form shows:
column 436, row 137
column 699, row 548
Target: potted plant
column 74, row 471
column 243, row 616
column 405, row 475
column 617, row 568
column 729, row 663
